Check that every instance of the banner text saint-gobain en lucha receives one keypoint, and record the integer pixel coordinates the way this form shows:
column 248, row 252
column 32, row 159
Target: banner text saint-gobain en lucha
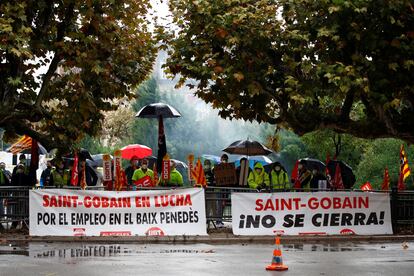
column 103, row 213
column 330, row 213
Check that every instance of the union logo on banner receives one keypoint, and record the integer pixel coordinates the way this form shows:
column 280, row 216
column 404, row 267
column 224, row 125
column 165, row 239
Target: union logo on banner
column 166, row 168
column 107, row 170
column 144, row 182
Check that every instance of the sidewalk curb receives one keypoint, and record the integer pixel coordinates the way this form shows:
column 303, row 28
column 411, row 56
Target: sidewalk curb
column 211, row 239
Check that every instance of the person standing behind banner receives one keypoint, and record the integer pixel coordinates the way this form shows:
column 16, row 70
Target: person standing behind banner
column 279, row 178
column 143, row 176
column 318, row 181
column 59, row 177
column 45, row 177
column 90, row 175
column 209, row 173
column 20, row 175
column 305, row 176
column 4, row 176
column 129, row 171
column 176, row 179
column 258, row 178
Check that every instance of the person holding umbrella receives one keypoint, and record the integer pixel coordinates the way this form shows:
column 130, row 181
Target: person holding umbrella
column 279, row 178
column 258, row 178
column 305, row 176
column 176, row 179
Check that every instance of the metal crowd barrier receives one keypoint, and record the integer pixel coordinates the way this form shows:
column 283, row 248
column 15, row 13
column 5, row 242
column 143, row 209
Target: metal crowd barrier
column 14, row 205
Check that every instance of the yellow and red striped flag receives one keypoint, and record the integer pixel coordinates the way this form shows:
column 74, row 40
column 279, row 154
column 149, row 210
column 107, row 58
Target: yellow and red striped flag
column 25, row 142
column 404, row 168
column 198, row 174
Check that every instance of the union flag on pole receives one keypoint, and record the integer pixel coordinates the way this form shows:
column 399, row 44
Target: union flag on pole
column 295, row 176
column 386, row 182
column 339, row 184
column 74, row 180
column 366, row 187
column 404, row 169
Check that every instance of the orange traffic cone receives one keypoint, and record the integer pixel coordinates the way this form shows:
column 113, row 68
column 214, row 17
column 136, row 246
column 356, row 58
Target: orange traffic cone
column 277, row 262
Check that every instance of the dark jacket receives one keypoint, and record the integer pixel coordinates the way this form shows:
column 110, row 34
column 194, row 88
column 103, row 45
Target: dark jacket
column 129, row 172
column 4, row 180
column 91, row 176
column 20, row 176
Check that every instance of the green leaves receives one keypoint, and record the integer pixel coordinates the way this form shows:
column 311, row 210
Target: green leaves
column 90, row 54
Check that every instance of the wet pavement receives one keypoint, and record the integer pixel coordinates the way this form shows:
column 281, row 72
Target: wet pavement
column 54, row 259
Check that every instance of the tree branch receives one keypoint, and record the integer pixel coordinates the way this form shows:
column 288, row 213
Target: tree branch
column 69, row 14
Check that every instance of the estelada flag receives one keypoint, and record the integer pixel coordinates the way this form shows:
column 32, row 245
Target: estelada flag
column 404, row 169
column 74, row 180
column 198, row 174
column 366, row 187
column 24, row 143
column 386, row 181
column 338, row 183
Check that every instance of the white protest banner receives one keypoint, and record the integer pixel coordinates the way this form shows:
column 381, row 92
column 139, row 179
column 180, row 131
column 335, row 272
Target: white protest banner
column 322, row 213
column 60, row 212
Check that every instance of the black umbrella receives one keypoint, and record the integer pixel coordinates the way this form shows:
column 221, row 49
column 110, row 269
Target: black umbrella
column 179, row 164
column 156, row 110
column 159, row 111
column 314, row 164
column 348, row 176
column 247, row 147
column 97, row 160
column 83, row 154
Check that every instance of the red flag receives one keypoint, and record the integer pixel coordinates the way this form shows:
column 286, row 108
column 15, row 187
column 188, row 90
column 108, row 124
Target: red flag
column 295, row 176
column 144, row 182
column 338, row 183
column 366, row 187
column 295, row 171
column 401, row 185
column 74, row 180
column 386, row 182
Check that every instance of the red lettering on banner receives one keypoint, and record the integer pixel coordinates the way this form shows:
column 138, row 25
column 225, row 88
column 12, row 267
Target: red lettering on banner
column 338, row 203
column 105, row 202
column 259, row 205
column 60, row 201
column 142, row 201
column 278, row 204
column 172, row 200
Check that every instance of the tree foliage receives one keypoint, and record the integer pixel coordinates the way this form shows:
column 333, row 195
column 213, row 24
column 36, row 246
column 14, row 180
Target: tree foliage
column 309, row 65
column 64, row 62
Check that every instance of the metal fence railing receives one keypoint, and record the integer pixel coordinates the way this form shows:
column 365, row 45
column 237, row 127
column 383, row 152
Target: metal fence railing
column 14, row 206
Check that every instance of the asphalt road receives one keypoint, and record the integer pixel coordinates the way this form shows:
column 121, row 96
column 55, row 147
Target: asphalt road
column 54, row 259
